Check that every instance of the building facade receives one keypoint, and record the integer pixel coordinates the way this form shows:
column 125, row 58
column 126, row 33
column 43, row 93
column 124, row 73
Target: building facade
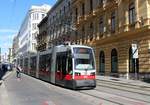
column 43, row 37
column 119, row 31
column 29, row 30
column 10, row 56
column 15, row 46
column 59, row 22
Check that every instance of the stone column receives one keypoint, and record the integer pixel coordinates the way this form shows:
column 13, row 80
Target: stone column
column 137, row 25
column 126, row 27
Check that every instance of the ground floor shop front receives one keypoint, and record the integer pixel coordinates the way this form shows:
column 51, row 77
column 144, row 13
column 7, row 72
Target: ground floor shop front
column 115, row 55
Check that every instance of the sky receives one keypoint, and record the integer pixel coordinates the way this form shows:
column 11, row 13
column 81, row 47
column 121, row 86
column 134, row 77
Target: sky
column 12, row 14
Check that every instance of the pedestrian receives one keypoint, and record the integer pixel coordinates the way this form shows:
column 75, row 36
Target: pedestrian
column 18, row 71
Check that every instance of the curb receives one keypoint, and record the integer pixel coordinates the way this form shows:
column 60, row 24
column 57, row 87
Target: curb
column 124, row 81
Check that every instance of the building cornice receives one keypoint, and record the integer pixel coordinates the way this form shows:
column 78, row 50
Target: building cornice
column 129, row 35
column 55, row 6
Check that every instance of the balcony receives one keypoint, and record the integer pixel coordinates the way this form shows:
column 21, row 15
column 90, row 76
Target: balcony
column 76, row 2
column 81, row 19
column 90, row 15
column 111, row 4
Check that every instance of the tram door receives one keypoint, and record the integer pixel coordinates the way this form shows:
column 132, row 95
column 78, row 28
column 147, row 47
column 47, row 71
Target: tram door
column 61, row 64
column 33, row 66
column 44, row 67
column 26, row 66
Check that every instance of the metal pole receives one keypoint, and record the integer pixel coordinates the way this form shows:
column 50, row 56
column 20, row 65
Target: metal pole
column 135, row 70
column 127, row 69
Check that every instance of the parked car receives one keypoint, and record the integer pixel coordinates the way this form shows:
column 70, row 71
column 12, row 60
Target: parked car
column 7, row 67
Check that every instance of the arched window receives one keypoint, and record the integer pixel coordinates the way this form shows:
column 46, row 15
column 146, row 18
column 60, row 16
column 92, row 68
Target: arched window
column 114, row 61
column 102, row 62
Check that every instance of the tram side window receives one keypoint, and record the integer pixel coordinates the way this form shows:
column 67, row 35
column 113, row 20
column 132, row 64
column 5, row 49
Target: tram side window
column 58, row 67
column 33, row 63
column 26, row 63
column 42, row 62
column 69, row 63
column 64, row 59
column 61, row 63
column 48, row 62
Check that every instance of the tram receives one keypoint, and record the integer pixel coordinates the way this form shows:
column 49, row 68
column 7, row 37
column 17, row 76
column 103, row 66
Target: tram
column 71, row 66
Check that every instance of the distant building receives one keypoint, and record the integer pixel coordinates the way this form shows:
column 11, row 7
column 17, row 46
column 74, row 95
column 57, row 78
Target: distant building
column 29, row 30
column 10, row 57
column 59, row 22
column 15, row 46
column 43, row 37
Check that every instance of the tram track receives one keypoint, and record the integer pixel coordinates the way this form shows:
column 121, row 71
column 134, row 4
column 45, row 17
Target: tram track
column 125, row 90
column 145, row 88
column 122, row 95
column 83, row 92
column 101, row 95
column 124, row 87
column 115, row 99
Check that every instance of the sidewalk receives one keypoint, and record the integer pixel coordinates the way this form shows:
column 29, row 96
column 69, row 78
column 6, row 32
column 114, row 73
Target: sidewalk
column 122, row 80
column 4, row 100
column 3, row 95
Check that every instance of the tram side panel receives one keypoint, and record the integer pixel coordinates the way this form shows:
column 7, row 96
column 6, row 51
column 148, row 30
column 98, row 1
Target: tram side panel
column 53, row 65
column 64, row 69
column 44, row 67
column 37, row 66
column 33, row 63
column 25, row 67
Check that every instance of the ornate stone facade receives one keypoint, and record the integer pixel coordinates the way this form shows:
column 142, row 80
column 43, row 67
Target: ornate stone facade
column 43, row 37
column 111, row 27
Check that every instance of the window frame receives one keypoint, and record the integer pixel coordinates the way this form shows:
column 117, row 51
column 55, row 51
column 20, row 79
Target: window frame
column 131, row 13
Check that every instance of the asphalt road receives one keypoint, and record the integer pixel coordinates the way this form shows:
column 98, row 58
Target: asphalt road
column 30, row 91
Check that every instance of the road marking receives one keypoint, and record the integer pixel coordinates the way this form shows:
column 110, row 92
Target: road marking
column 19, row 79
column 48, row 103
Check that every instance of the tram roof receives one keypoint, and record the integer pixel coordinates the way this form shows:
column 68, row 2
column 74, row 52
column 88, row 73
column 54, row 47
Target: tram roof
column 73, row 46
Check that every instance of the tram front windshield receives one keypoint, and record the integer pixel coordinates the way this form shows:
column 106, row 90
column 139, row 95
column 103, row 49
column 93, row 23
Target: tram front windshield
column 83, row 59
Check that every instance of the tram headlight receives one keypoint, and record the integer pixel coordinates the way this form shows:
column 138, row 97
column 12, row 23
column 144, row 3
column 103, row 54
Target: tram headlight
column 92, row 73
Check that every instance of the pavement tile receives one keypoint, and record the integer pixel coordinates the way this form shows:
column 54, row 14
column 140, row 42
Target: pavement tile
column 3, row 95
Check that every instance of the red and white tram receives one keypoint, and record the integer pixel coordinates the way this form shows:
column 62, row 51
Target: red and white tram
column 71, row 66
